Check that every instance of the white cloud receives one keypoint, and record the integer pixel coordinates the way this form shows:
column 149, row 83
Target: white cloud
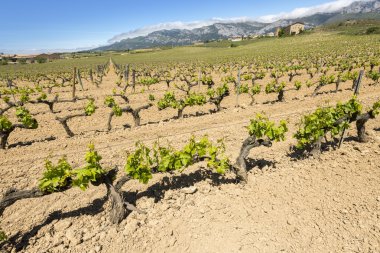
column 307, row 11
column 296, row 13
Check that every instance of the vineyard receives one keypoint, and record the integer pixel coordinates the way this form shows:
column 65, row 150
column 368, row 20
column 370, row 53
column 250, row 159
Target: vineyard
column 269, row 146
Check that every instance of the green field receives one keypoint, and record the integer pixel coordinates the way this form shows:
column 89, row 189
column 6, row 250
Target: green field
column 329, row 40
column 323, row 42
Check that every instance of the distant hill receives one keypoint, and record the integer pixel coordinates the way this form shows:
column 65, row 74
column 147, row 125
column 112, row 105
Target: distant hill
column 177, row 37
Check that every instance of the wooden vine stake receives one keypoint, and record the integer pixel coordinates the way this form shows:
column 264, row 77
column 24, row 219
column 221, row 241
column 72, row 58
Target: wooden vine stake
column 91, row 77
column 356, row 92
column 199, row 79
column 237, row 89
column 9, row 84
column 134, row 80
column 74, row 77
column 126, row 76
column 79, row 79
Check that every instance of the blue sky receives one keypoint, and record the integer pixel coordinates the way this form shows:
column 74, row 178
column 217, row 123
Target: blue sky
column 67, row 24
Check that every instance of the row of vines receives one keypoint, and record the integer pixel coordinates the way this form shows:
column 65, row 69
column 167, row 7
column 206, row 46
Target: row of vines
column 178, row 86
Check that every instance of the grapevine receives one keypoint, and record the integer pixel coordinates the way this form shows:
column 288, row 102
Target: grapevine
column 333, row 120
column 143, row 162
column 3, row 236
column 7, row 127
column 261, row 133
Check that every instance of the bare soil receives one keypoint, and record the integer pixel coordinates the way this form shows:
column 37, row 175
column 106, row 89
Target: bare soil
column 329, row 204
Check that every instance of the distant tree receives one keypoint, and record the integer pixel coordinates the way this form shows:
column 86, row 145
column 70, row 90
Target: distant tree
column 4, row 61
column 22, row 61
column 373, row 30
column 281, row 32
column 41, row 60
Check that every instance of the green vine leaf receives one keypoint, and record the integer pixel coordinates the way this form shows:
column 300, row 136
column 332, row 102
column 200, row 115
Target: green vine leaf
column 262, row 128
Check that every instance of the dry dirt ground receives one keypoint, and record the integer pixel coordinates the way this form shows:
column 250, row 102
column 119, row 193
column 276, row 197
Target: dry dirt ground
column 329, row 204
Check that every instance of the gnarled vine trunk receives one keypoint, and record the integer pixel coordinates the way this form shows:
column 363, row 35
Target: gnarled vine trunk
column 218, row 100
column 240, row 165
column 360, row 126
column 337, row 85
column 118, row 212
column 281, row 96
column 50, row 103
column 135, row 114
column 64, row 120
column 4, row 135
column 180, row 113
column 316, row 148
column 119, row 207
column 360, row 120
column 252, row 100
column 13, row 195
column 4, row 139
column 316, row 90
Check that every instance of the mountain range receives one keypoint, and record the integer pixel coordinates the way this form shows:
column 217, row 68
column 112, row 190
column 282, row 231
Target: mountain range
column 216, row 31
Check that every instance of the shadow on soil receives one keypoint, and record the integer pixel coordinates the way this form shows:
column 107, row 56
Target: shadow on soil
column 300, row 154
column 259, row 163
column 21, row 241
column 185, row 116
column 157, row 191
column 28, row 143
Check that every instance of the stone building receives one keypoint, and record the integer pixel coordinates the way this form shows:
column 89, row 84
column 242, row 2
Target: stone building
column 294, row 29
column 236, row 38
